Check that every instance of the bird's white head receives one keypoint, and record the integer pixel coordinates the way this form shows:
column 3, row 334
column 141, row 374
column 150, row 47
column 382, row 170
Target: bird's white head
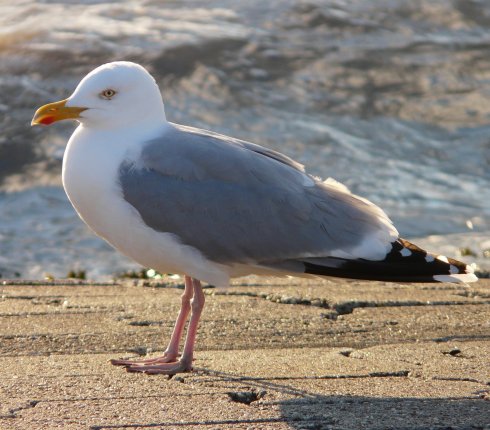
column 114, row 95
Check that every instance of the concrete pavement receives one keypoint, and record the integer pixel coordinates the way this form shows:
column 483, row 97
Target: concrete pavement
column 305, row 354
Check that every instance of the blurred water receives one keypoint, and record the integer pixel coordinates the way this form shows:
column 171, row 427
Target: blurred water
column 388, row 96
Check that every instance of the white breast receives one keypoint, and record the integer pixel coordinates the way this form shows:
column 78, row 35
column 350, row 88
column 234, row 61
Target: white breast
column 90, row 178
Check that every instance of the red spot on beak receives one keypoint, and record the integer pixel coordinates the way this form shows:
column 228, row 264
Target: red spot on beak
column 47, row 120
column 56, row 111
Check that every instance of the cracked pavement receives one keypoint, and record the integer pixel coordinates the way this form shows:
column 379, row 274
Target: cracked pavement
column 271, row 353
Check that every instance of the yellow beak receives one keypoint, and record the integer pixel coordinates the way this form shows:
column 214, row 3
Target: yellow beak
column 53, row 112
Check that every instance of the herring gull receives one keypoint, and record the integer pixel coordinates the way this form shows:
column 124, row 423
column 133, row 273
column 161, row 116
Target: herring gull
column 211, row 207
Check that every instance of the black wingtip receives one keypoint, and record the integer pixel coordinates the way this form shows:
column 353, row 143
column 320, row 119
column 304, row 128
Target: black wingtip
column 406, row 262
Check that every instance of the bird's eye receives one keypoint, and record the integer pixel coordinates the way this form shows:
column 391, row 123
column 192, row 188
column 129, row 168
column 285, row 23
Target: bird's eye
column 107, row 94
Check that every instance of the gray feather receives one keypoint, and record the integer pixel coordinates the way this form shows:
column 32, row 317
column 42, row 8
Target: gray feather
column 237, row 202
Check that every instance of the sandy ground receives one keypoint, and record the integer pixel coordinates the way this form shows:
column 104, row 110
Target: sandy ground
column 307, row 354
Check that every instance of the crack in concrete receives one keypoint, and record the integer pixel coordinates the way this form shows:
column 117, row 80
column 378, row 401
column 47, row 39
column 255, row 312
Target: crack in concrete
column 13, row 411
column 394, row 374
column 191, row 423
column 473, row 294
column 54, row 313
column 344, row 308
column 35, row 336
column 461, row 338
column 456, row 379
column 57, row 283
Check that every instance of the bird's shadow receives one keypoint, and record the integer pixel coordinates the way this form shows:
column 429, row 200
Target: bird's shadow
column 306, row 410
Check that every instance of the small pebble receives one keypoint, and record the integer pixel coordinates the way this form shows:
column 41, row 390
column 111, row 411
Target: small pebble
column 246, row 397
column 140, row 350
column 454, row 352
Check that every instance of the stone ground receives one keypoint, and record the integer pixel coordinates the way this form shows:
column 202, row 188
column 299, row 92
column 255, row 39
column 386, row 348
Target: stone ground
column 301, row 354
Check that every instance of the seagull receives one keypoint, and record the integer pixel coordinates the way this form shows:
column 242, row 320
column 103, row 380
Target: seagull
column 211, row 207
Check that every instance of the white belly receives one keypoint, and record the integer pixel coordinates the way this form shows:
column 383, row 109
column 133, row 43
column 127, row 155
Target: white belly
column 90, row 178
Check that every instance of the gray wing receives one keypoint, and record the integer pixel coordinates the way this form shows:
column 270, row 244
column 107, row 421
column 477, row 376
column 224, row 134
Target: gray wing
column 238, row 202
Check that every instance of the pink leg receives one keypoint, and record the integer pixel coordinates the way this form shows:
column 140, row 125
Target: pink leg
column 185, row 362
column 172, row 351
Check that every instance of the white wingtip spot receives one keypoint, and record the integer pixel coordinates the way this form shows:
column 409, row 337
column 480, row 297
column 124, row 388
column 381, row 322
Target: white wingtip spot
column 429, row 258
column 453, row 269
column 405, row 252
column 443, row 258
column 460, row 277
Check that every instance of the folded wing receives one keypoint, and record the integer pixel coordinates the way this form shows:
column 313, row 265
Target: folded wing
column 240, row 203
